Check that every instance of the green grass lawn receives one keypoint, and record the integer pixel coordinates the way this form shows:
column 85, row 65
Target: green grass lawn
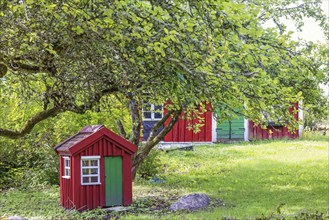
column 252, row 179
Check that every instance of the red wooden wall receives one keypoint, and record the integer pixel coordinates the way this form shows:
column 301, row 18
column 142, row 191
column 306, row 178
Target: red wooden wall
column 273, row 132
column 180, row 133
column 82, row 197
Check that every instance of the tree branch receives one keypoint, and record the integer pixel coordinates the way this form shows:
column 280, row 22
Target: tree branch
column 29, row 124
column 156, row 127
column 136, row 120
column 121, row 129
column 151, row 143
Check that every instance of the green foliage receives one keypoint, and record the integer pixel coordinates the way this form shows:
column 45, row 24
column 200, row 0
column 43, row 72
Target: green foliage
column 96, row 59
column 152, row 166
column 315, row 135
column 188, row 52
column 31, row 160
column 28, row 162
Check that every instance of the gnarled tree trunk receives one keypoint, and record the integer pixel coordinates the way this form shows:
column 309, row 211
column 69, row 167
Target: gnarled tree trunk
column 155, row 138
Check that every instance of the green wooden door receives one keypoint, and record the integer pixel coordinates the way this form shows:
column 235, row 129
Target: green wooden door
column 113, row 181
column 233, row 129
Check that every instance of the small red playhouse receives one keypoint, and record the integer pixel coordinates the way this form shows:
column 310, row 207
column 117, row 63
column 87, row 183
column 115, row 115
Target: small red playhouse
column 95, row 169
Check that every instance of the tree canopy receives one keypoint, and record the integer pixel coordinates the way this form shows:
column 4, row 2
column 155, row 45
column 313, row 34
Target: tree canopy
column 81, row 55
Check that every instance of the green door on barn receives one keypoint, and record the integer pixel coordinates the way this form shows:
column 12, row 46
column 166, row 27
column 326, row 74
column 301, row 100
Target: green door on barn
column 113, row 181
column 231, row 129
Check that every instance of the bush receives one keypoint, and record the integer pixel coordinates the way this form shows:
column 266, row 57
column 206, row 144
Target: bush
column 314, row 135
column 152, row 166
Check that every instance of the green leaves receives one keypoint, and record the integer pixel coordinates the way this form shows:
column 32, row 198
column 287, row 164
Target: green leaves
column 187, row 52
column 78, row 30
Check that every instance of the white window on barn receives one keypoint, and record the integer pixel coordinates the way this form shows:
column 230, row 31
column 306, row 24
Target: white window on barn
column 90, row 173
column 67, row 168
column 152, row 112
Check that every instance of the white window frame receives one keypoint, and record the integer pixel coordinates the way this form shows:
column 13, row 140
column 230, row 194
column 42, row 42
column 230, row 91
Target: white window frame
column 66, row 168
column 153, row 112
column 83, row 158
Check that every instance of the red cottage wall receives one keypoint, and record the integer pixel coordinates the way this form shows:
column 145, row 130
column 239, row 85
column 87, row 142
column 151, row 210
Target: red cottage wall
column 66, row 193
column 82, row 197
column 180, row 133
column 273, row 132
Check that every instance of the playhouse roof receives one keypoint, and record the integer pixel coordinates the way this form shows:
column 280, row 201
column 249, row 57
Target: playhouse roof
column 87, row 135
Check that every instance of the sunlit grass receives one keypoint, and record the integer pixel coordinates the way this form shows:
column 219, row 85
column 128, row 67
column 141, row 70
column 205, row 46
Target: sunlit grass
column 253, row 179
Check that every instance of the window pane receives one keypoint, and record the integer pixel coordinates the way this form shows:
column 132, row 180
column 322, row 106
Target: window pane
column 94, row 163
column 66, row 162
column 158, row 108
column 157, row 115
column 147, row 115
column 85, row 163
column 94, row 179
column 67, row 172
column 89, row 171
column 85, row 179
column 89, row 163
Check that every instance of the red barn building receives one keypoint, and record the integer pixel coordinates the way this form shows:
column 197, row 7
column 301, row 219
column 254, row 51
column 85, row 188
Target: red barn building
column 95, row 169
column 238, row 129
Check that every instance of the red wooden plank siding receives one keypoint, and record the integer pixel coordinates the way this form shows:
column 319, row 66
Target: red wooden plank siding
column 181, row 129
column 83, row 196
column 188, row 132
column 168, row 137
column 180, row 132
column 275, row 133
column 280, row 132
column 102, row 176
column 257, row 132
column 61, row 170
column 127, row 181
column 208, row 128
column 76, row 181
column 196, row 135
column 175, row 131
column 270, row 133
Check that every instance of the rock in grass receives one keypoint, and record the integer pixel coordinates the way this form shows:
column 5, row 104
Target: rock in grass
column 191, row 202
column 16, row 217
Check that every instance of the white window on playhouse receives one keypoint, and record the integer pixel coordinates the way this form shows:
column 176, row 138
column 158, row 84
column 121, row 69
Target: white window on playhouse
column 90, row 170
column 67, row 168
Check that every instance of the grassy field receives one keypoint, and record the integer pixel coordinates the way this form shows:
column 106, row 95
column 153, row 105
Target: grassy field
column 251, row 179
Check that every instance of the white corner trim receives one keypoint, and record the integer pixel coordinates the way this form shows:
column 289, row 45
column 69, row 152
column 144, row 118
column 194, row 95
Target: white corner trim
column 300, row 117
column 246, row 129
column 213, row 129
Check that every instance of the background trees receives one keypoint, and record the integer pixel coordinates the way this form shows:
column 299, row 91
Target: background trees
column 80, row 56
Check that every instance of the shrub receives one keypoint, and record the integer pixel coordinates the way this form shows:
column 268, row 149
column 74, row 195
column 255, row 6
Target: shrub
column 152, row 166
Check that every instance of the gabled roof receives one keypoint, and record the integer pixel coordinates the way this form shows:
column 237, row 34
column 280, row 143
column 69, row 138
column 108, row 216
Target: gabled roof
column 89, row 134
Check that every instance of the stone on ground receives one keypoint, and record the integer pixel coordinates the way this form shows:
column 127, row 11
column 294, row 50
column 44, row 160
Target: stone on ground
column 16, row 217
column 191, row 202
